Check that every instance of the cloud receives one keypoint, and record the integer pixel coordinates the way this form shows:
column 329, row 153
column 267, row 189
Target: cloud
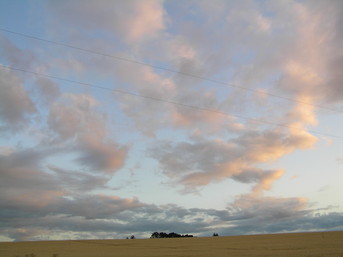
column 37, row 204
column 263, row 178
column 100, row 155
column 23, row 182
column 113, row 217
column 313, row 73
column 25, row 185
column 328, row 17
column 147, row 19
column 204, row 121
column 26, row 234
column 48, row 89
column 255, row 54
column 21, row 58
column 103, row 206
column 203, row 161
column 133, row 20
column 146, row 82
column 16, row 104
column 76, row 120
column 74, row 116
column 73, row 181
column 270, row 215
column 269, row 208
column 286, row 48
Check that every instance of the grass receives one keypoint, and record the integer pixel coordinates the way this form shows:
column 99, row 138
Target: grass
column 319, row 244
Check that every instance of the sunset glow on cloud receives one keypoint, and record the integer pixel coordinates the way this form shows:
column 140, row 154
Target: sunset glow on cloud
column 129, row 117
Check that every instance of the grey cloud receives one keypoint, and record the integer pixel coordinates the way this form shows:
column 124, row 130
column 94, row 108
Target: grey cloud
column 106, row 214
column 330, row 14
column 271, row 42
column 252, row 175
column 76, row 120
column 198, row 37
column 48, row 89
column 132, row 20
column 269, row 208
column 202, row 161
column 327, row 222
column 33, row 199
column 73, row 116
column 78, row 213
column 16, row 104
column 24, row 187
column 323, row 58
column 98, row 215
column 268, row 44
column 334, row 91
column 22, row 58
column 21, row 171
column 98, row 206
column 145, row 82
column 77, row 181
column 25, row 234
column 187, row 157
column 33, row 187
column 102, row 156
column 253, row 215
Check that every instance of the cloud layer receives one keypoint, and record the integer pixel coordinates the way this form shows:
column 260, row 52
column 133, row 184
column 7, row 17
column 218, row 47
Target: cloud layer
column 212, row 92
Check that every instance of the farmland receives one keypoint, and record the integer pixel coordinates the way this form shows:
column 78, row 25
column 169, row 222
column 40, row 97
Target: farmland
column 276, row 245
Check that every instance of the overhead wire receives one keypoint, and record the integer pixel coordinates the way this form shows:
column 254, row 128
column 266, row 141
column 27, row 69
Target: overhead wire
column 221, row 83
column 199, row 108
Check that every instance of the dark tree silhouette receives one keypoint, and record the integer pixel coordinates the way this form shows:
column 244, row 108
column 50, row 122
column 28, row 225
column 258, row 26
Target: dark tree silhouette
column 170, row 235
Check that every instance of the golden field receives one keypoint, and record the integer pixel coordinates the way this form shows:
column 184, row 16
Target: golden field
column 273, row 245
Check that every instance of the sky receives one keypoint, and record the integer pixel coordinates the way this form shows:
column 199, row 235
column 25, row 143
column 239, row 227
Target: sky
column 122, row 118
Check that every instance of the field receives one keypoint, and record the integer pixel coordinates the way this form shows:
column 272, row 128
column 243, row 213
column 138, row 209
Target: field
column 277, row 245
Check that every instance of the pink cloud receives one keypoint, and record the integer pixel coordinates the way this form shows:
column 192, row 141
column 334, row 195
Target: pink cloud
column 146, row 19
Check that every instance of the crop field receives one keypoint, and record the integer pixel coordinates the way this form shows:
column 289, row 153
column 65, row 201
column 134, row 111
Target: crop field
column 277, row 245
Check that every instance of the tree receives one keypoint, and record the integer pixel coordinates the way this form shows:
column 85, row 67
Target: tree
column 155, row 235
column 132, row 237
column 170, row 235
column 215, row 234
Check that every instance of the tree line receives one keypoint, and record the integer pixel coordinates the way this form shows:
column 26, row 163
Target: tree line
column 166, row 235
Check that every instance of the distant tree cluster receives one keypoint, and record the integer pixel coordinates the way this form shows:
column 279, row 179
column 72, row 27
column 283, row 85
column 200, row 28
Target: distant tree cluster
column 170, row 235
column 215, row 234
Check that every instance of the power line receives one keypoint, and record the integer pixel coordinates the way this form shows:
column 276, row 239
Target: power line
column 164, row 100
column 170, row 70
